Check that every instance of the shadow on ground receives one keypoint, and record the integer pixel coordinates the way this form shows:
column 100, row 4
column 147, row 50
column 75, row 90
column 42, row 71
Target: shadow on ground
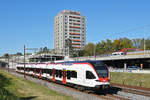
column 28, row 98
column 111, row 90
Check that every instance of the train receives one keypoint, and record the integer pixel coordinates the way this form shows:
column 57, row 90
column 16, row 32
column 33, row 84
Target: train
column 118, row 53
column 83, row 75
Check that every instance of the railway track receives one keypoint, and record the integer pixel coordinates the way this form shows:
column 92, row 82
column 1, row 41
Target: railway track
column 110, row 94
column 133, row 89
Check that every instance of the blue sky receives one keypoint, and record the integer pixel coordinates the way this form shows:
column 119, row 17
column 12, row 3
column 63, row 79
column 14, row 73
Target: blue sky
column 30, row 22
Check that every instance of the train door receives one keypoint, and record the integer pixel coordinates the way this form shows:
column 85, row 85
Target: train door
column 64, row 76
column 89, row 77
column 20, row 69
column 47, row 71
column 53, row 72
column 40, row 73
column 35, row 72
column 81, row 76
column 28, row 71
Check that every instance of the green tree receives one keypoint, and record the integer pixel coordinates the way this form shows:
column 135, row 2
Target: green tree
column 100, row 47
column 19, row 54
column 79, row 53
column 108, row 47
column 116, row 45
column 6, row 55
column 126, row 43
column 43, row 50
column 147, row 44
column 68, row 44
column 89, row 49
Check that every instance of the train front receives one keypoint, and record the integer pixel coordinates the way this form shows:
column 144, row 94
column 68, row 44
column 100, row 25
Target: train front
column 103, row 81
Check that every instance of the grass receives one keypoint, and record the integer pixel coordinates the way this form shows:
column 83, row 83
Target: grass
column 14, row 88
column 139, row 53
column 132, row 79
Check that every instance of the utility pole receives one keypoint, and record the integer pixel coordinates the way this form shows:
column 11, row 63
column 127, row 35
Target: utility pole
column 25, row 57
column 95, row 52
column 144, row 42
column 8, row 63
column 24, row 60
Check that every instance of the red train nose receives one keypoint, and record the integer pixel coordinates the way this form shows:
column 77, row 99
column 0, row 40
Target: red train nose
column 103, row 79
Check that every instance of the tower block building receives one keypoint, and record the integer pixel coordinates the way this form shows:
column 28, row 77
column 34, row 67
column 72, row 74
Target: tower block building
column 69, row 25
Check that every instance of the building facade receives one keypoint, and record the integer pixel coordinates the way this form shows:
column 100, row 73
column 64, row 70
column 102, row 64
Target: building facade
column 69, row 25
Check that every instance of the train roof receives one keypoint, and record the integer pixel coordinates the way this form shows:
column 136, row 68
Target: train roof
column 87, row 61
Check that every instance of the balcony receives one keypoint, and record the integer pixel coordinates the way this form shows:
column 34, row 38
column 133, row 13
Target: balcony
column 76, row 47
column 76, row 44
column 75, row 27
column 74, row 33
column 76, row 40
column 77, row 17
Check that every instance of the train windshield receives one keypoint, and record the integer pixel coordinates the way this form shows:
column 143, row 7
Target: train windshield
column 100, row 68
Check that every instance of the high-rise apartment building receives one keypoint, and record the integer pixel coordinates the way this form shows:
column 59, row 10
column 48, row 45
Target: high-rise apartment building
column 69, row 25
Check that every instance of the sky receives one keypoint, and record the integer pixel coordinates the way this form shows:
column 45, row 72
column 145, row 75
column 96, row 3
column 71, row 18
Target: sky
column 31, row 22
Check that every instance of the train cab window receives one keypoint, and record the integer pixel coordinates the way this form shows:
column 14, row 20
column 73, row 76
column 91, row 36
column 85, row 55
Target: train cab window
column 90, row 75
column 74, row 74
column 68, row 74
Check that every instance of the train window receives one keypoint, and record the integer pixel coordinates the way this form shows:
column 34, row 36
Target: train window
column 23, row 68
column 60, row 73
column 31, row 69
column 47, row 71
column 56, row 73
column 74, row 74
column 37, row 71
column 68, row 74
column 50, row 71
column 90, row 75
column 44, row 71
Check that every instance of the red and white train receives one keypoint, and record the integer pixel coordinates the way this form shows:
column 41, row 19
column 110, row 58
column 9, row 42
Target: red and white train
column 79, row 74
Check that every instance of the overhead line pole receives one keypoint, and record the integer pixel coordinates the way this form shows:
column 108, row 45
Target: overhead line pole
column 144, row 42
column 25, row 57
column 24, row 60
